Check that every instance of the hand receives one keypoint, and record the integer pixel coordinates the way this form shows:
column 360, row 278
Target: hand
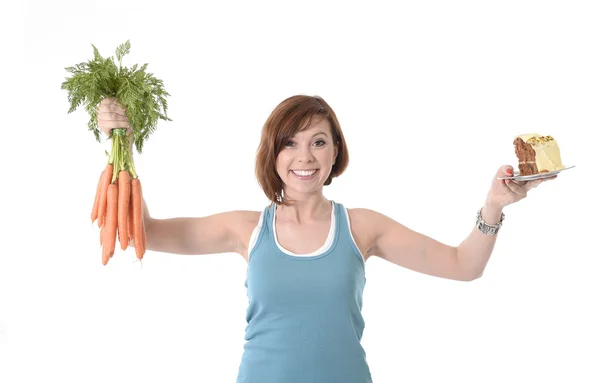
column 506, row 192
column 112, row 116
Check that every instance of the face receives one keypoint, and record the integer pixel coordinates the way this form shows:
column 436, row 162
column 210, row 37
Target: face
column 305, row 161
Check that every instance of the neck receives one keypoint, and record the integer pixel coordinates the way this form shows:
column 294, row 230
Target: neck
column 305, row 209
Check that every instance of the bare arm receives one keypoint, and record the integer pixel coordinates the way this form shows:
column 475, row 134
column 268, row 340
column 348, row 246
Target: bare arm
column 398, row 244
column 214, row 234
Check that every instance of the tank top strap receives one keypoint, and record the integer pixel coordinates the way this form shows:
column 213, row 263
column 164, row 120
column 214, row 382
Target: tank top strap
column 344, row 232
column 340, row 217
column 262, row 231
column 267, row 226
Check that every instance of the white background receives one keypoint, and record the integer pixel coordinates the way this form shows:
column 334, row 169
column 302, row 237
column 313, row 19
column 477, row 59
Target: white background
column 429, row 95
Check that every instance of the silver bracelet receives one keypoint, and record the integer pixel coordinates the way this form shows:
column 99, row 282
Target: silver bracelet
column 486, row 228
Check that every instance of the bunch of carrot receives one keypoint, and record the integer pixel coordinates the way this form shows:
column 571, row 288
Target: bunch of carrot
column 118, row 203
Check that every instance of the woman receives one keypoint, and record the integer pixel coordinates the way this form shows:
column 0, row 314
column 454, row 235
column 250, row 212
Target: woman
column 306, row 254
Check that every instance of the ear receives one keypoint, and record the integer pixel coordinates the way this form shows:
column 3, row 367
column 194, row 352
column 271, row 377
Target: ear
column 335, row 150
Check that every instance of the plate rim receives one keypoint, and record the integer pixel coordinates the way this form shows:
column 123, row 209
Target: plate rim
column 517, row 177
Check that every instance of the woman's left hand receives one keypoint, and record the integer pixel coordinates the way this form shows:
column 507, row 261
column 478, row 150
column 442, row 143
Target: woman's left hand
column 504, row 192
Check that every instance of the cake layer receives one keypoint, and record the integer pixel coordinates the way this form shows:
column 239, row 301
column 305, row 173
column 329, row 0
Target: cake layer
column 537, row 153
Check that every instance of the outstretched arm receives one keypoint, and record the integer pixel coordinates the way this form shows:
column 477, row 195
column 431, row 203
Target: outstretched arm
column 400, row 245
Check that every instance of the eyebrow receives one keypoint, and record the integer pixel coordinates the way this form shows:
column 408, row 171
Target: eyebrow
column 316, row 134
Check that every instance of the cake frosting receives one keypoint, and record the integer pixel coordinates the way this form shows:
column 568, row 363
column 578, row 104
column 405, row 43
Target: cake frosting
column 537, row 154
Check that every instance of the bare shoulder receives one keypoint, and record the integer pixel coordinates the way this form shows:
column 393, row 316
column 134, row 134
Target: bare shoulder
column 363, row 229
column 214, row 234
column 396, row 243
column 369, row 226
column 242, row 223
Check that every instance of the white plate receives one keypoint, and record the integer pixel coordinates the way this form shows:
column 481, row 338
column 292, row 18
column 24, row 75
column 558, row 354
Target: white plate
column 517, row 177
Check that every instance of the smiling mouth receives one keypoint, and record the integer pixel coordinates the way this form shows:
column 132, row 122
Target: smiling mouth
column 305, row 174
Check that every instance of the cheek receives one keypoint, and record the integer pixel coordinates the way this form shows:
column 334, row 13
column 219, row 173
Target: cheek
column 282, row 159
column 326, row 156
column 280, row 164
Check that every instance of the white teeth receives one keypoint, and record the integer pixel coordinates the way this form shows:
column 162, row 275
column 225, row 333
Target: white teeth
column 304, row 173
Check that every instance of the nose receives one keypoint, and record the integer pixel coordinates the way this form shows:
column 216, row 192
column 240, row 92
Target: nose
column 305, row 155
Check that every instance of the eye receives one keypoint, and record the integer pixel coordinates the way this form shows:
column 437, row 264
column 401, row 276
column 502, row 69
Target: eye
column 319, row 142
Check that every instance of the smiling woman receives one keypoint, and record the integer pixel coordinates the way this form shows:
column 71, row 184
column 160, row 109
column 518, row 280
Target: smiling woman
column 305, row 126
column 306, row 254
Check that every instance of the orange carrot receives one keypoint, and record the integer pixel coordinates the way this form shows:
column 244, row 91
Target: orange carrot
column 105, row 247
column 112, row 201
column 97, row 198
column 130, row 218
column 103, row 190
column 105, row 256
column 123, row 207
column 102, row 230
column 144, row 236
column 136, row 200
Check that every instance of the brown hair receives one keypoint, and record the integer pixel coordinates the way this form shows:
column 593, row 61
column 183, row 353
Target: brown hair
column 292, row 115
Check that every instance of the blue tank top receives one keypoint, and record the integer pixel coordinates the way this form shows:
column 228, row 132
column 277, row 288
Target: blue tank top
column 304, row 321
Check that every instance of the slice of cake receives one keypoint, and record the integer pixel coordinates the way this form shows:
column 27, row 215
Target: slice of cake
column 537, row 154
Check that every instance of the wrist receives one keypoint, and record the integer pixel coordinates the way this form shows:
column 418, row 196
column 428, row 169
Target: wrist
column 491, row 214
column 489, row 221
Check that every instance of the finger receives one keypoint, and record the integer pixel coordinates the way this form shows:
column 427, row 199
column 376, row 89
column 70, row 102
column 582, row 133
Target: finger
column 108, row 100
column 533, row 184
column 107, row 125
column 518, row 190
column 505, row 171
column 111, row 108
column 110, row 116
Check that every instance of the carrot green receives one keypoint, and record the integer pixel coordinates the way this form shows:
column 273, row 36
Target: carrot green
column 142, row 96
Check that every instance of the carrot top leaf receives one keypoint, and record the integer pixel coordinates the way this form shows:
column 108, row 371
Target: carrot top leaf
column 140, row 93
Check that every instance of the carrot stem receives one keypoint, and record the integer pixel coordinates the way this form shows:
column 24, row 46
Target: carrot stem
column 121, row 156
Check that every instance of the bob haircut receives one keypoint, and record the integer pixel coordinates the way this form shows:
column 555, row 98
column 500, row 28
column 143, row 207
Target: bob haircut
column 293, row 115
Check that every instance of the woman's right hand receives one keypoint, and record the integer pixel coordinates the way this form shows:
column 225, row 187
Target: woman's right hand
column 112, row 116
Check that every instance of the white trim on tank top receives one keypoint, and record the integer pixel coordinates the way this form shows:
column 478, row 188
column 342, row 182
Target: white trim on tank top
column 323, row 248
